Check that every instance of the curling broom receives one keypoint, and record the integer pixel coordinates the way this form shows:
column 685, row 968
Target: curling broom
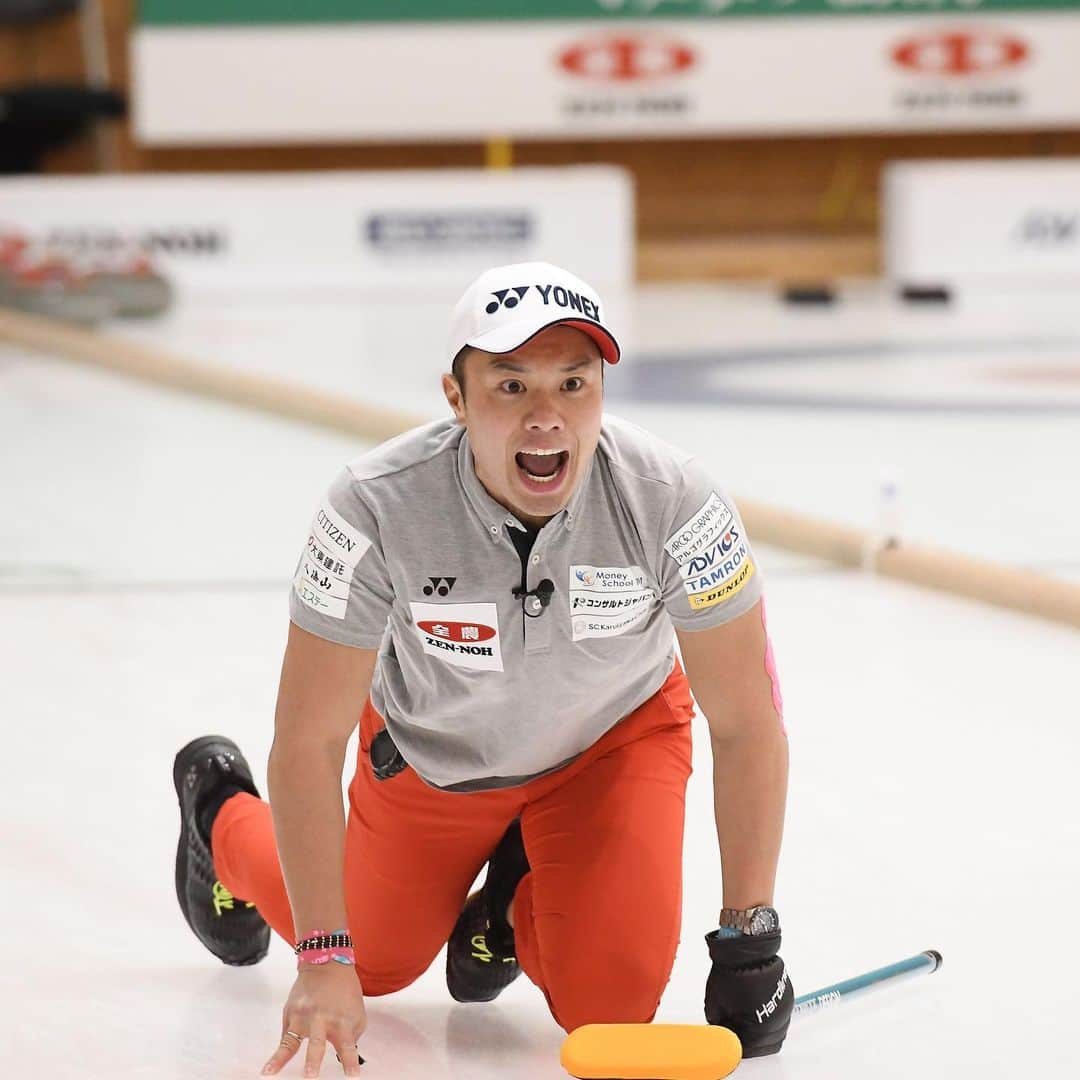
column 702, row 1051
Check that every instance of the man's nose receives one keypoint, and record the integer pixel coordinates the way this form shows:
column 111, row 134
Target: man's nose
column 543, row 414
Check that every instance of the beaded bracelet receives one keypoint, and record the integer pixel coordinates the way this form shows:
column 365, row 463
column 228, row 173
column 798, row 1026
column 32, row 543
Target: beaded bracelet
column 320, row 947
column 320, row 939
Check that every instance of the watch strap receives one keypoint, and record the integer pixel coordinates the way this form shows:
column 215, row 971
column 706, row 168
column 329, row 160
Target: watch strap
column 737, row 919
column 742, row 919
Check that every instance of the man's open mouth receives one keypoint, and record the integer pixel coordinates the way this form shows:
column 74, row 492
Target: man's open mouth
column 542, row 466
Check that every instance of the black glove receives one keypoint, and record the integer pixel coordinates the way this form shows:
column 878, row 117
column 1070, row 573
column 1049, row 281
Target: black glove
column 749, row 990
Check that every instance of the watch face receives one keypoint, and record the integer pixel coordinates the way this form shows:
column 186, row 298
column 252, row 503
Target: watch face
column 764, row 921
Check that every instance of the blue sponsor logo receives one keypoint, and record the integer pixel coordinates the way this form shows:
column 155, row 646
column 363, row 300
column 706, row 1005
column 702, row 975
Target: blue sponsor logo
column 716, row 554
column 717, row 574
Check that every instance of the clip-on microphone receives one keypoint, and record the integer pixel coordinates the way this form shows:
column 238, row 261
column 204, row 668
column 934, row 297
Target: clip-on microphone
column 533, row 601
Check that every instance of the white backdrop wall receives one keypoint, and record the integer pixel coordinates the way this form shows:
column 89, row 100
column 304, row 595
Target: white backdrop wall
column 397, row 230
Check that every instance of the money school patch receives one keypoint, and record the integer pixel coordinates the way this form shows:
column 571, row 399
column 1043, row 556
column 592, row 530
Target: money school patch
column 324, row 574
column 710, row 550
column 606, row 601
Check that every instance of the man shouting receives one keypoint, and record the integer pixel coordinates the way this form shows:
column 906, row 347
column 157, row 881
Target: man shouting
column 496, row 598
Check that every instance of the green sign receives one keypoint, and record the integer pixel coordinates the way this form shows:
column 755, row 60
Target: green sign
column 238, row 12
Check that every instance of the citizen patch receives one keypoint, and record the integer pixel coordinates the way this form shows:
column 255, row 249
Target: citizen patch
column 324, row 575
column 606, row 601
column 465, row 635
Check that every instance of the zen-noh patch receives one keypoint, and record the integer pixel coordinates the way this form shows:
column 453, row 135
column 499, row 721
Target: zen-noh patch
column 464, row 635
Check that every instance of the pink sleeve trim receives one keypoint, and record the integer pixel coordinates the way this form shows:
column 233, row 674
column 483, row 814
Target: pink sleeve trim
column 770, row 670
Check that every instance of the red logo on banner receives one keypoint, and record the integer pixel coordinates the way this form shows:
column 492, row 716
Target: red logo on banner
column 455, row 631
column 961, row 52
column 626, row 58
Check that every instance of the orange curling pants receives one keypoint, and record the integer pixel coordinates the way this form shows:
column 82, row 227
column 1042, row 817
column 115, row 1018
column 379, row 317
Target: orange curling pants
column 597, row 918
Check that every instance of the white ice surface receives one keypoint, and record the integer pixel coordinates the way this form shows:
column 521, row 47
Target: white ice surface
column 145, row 543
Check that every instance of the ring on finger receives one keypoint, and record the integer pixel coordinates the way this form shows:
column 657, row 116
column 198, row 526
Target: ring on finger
column 298, row 1038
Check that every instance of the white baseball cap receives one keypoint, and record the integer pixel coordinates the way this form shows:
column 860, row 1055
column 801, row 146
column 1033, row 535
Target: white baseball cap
column 508, row 305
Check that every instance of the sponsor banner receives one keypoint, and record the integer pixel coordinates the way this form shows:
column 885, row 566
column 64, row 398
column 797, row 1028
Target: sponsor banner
column 974, row 67
column 464, row 635
column 245, row 12
column 326, row 568
column 437, row 228
column 723, row 591
column 952, row 222
column 608, row 600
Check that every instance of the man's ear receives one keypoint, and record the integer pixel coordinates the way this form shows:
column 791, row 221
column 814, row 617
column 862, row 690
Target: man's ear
column 454, row 397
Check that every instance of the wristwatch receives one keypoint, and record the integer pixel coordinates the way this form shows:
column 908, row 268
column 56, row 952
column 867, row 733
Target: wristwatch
column 753, row 921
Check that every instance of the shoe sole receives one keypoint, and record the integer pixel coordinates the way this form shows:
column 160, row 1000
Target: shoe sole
column 180, row 766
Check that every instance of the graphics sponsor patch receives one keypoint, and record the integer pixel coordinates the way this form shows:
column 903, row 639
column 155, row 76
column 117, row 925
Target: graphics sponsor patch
column 608, row 600
column 465, row 635
column 700, row 531
column 725, row 590
column 334, row 547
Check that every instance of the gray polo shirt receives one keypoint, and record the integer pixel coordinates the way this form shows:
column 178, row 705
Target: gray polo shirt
column 409, row 554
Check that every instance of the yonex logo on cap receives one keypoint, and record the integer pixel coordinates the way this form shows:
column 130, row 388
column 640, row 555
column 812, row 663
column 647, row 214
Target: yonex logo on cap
column 503, row 299
column 550, row 296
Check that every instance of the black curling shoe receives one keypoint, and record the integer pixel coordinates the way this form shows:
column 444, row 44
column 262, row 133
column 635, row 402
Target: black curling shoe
column 204, row 771
column 480, row 958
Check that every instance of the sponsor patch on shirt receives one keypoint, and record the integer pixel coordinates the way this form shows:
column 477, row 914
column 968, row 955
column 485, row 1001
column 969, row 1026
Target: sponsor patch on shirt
column 714, row 562
column 465, row 635
column 608, row 600
column 334, row 547
column 699, row 531
column 725, row 590
column 719, row 572
column 717, row 557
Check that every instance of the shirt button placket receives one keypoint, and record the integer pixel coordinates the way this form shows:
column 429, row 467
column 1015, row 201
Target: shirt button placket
column 538, row 629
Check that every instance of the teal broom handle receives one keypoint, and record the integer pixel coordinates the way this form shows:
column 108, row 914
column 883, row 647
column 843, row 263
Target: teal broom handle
column 928, row 962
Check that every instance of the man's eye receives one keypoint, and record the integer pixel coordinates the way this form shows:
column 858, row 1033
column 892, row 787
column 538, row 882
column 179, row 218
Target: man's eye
column 575, row 382
column 513, row 386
